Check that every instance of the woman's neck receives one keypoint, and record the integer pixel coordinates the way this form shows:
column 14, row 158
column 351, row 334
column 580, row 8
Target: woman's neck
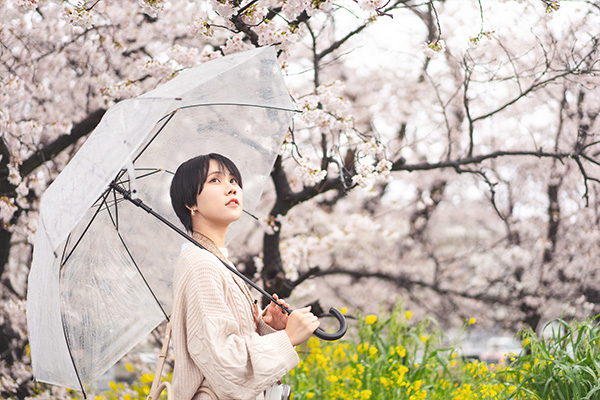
column 216, row 236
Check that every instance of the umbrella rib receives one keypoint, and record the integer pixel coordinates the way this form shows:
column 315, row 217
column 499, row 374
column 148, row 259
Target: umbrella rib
column 170, row 116
column 62, row 321
column 239, row 105
column 64, row 252
column 142, row 275
column 104, row 197
column 116, row 221
column 72, row 359
column 154, row 171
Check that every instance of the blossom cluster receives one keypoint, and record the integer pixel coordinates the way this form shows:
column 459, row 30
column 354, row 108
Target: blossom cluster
column 121, row 90
column 367, row 174
column 327, row 109
column 432, row 49
column 357, row 234
column 79, row 16
column 184, row 56
column 309, row 173
column 151, row 7
column 282, row 35
column 293, row 8
column 372, row 5
column 26, row 5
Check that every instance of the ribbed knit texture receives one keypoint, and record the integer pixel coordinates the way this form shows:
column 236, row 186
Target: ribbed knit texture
column 215, row 341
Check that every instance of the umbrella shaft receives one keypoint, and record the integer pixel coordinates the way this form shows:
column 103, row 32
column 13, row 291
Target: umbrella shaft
column 139, row 203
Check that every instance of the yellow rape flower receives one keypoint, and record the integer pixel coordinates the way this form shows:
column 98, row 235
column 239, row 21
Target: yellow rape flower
column 398, row 374
column 371, row 319
column 471, row 321
column 365, row 395
column 113, row 386
column 129, row 367
column 310, row 395
column 344, row 310
column 373, row 351
column 361, row 369
column 363, row 347
column 313, row 342
column 339, row 352
column 408, row 315
column 401, row 351
column 463, row 393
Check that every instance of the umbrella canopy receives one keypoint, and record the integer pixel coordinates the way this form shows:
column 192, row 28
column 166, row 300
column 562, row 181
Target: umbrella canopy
column 101, row 277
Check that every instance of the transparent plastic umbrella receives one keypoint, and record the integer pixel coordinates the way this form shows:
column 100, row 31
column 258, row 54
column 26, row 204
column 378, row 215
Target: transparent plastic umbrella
column 101, row 277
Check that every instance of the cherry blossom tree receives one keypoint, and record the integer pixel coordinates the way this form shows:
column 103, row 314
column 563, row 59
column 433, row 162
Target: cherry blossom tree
column 447, row 153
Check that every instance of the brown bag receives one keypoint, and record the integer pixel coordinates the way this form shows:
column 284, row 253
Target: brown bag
column 157, row 386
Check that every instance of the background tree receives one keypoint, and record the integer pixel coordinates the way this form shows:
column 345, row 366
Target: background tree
column 447, row 153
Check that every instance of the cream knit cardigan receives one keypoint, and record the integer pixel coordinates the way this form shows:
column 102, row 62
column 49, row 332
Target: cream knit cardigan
column 215, row 341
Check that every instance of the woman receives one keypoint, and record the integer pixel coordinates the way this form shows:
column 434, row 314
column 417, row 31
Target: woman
column 224, row 348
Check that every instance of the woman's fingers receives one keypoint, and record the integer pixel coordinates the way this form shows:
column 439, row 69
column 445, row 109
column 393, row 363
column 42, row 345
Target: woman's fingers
column 279, row 301
column 301, row 325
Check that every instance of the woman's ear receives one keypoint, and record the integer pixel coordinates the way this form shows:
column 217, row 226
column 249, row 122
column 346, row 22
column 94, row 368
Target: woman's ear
column 192, row 209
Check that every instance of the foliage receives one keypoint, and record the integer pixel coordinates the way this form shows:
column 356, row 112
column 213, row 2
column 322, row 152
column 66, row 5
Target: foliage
column 563, row 362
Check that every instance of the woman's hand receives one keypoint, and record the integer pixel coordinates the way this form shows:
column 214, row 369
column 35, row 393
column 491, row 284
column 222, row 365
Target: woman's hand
column 274, row 315
column 300, row 325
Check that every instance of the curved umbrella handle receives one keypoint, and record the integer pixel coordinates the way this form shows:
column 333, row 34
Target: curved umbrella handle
column 321, row 334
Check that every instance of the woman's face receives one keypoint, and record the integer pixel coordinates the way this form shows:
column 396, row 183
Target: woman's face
column 221, row 200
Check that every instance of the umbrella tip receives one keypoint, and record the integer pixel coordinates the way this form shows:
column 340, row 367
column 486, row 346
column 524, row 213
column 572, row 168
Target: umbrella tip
column 252, row 215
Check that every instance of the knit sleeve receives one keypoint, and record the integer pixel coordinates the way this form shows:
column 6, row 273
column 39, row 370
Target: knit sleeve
column 264, row 328
column 237, row 363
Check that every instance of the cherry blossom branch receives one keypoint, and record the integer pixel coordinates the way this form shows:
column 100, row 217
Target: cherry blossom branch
column 336, row 45
column 536, row 85
column 404, row 281
column 400, row 164
column 241, row 26
column 467, row 108
column 437, row 21
column 49, row 151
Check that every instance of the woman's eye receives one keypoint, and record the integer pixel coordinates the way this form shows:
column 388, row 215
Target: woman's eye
column 233, row 180
column 214, row 180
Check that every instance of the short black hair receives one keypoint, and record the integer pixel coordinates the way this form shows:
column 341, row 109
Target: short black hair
column 188, row 183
